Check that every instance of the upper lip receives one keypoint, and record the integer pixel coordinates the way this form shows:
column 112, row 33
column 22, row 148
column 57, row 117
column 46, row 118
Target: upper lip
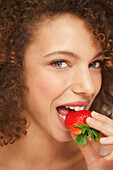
column 77, row 103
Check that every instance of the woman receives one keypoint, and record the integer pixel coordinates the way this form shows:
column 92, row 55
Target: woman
column 54, row 54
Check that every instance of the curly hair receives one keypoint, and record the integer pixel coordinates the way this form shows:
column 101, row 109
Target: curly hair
column 17, row 24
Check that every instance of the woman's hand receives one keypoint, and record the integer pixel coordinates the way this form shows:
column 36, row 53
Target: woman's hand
column 105, row 126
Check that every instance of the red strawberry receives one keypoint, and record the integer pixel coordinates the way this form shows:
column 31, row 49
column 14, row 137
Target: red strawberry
column 76, row 122
column 77, row 118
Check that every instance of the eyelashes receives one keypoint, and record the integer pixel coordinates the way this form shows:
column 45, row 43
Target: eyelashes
column 60, row 64
column 97, row 64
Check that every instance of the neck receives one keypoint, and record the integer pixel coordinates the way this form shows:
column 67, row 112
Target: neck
column 38, row 147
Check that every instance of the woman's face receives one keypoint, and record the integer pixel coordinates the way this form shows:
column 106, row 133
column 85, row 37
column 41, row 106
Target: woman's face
column 62, row 68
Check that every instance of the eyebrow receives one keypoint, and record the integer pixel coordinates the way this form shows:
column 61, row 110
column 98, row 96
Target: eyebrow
column 98, row 55
column 68, row 53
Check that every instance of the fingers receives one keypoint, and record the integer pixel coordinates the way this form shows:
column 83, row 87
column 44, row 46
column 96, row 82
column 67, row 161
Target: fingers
column 88, row 152
column 102, row 118
column 105, row 125
column 106, row 140
column 101, row 123
column 109, row 157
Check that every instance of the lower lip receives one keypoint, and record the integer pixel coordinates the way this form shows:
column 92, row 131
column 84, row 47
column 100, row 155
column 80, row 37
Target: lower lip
column 62, row 121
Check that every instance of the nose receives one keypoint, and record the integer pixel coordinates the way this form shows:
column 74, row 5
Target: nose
column 82, row 82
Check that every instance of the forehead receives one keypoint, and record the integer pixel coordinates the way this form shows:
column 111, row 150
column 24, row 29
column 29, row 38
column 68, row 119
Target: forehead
column 62, row 22
column 64, row 33
column 65, row 28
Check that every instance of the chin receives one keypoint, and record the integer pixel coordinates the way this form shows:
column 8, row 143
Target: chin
column 63, row 138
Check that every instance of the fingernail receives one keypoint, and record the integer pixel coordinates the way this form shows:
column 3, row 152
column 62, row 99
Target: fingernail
column 89, row 119
column 103, row 140
column 95, row 114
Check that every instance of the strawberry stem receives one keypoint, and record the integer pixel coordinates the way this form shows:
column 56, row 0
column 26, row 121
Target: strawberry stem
column 86, row 131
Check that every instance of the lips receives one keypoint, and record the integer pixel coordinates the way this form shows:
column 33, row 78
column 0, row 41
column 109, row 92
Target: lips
column 64, row 109
column 78, row 103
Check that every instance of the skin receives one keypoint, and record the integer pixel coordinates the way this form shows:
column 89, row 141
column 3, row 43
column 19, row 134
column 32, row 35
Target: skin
column 61, row 39
column 48, row 144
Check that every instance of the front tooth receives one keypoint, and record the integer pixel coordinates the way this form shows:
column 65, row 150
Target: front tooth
column 71, row 107
column 77, row 108
column 82, row 108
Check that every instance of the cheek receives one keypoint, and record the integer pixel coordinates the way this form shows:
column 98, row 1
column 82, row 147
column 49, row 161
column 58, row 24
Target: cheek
column 50, row 86
column 45, row 87
column 97, row 84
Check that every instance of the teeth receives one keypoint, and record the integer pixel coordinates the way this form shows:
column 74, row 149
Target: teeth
column 62, row 116
column 76, row 108
column 71, row 107
column 82, row 108
column 79, row 108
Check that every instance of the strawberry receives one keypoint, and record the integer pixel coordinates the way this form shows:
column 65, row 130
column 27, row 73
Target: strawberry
column 76, row 122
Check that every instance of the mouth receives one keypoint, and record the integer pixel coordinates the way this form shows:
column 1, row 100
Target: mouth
column 64, row 110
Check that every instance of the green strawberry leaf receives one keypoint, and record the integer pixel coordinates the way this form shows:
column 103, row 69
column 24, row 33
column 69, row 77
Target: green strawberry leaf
column 96, row 133
column 95, row 139
column 86, row 125
column 84, row 129
column 85, row 139
column 78, row 126
column 90, row 133
column 78, row 140
column 81, row 139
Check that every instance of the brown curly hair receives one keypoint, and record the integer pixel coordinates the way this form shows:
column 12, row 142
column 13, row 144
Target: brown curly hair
column 17, row 23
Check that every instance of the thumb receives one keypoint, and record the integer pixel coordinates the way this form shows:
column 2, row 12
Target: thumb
column 88, row 152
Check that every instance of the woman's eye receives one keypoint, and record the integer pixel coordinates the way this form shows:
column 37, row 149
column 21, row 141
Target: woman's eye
column 59, row 64
column 96, row 64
